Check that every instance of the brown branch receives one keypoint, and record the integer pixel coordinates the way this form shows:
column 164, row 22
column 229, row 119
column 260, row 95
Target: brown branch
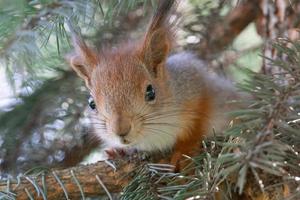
column 113, row 180
column 113, row 176
column 223, row 33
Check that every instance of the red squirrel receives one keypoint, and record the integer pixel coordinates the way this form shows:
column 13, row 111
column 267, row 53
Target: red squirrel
column 146, row 99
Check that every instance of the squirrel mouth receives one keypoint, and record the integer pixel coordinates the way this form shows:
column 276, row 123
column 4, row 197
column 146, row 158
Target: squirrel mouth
column 125, row 141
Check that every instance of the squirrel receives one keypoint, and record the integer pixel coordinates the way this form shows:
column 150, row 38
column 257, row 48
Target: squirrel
column 146, row 99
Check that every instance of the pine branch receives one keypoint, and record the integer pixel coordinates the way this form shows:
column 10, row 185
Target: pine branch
column 29, row 25
column 28, row 42
column 85, row 175
column 262, row 149
column 76, row 183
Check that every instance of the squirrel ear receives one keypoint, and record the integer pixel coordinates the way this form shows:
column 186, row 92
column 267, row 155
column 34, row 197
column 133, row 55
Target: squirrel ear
column 81, row 66
column 78, row 65
column 83, row 60
column 156, row 49
column 158, row 39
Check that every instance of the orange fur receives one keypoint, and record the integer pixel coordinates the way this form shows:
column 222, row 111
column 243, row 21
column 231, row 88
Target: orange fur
column 189, row 141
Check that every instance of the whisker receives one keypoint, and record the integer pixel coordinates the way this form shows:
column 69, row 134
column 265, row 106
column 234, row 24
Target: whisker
column 99, row 115
column 174, row 112
column 162, row 124
column 158, row 131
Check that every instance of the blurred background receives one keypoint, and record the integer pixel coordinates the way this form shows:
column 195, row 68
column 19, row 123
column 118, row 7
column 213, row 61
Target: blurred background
column 43, row 105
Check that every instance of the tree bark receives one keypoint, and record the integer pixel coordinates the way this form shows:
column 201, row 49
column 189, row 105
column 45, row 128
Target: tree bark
column 101, row 179
column 223, row 33
column 279, row 19
column 113, row 180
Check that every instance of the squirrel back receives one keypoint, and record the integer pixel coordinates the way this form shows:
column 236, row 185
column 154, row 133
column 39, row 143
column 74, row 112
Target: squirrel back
column 143, row 98
column 189, row 78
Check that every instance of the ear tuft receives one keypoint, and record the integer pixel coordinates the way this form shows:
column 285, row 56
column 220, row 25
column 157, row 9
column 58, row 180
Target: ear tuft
column 83, row 60
column 157, row 48
column 158, row 39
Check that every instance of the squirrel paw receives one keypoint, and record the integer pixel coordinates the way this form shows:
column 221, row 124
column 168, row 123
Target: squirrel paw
column 116, row 153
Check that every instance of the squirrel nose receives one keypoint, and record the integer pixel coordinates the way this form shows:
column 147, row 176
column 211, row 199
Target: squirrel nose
column 123, row 130
column 121, row 126
column 123, row 134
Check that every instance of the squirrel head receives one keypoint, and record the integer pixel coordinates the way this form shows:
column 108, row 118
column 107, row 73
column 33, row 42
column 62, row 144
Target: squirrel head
column 128, row 85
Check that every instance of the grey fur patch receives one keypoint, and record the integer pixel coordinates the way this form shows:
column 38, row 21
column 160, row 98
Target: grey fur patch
column 189, row 78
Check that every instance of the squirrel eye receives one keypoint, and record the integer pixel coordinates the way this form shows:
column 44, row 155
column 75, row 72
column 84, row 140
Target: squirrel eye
column 150, row 93
column 92, row 103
